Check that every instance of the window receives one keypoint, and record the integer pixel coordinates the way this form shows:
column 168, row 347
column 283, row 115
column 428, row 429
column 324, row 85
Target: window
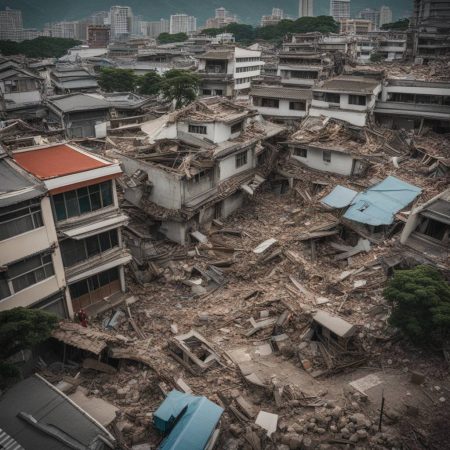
column 207, row 91
column 55, row 304
column 73, row 251
column 357, row 100
column 270, row 102
column 403, row 98
column 326, row 155
column 95, row 288
column 332, row 98
column 219, row 92
column 307, row 75
column 236, row 128
column 198, row 129
column 241, row 159
column 20, row 218
column 25, row 273
column 297, row 106
column 302, row 152
column 82, row 201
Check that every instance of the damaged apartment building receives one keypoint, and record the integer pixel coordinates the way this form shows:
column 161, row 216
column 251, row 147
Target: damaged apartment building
column 61, row 246
column 197, row 164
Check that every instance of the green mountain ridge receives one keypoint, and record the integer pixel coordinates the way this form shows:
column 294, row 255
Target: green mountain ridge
column 38, row 12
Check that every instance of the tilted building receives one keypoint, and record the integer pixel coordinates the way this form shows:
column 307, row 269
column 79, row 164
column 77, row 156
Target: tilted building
column 201, row 163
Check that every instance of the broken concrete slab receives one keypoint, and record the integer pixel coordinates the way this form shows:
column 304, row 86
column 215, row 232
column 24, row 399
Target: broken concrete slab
column 365, row 383
column 246, row 407
column 90, row 363
column 268, row 421
column 265, row 245
column 363, row 245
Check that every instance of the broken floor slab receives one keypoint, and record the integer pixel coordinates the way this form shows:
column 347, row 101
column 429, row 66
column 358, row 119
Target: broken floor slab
column 260, row 368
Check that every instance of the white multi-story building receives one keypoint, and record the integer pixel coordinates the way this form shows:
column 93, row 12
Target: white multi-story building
column 370, row 14
column 71, row 246
column 385, row 15
column 306, row 8
column 340, row 9
column 346, row 97
column 182, row 23
column 154, row 28
column 121, row 20
column 224, row 71
column 10, row 24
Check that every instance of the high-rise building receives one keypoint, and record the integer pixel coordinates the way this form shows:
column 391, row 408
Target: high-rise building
column 99, row 18
column 221, row 19
column 98, row 36
column 430, row 26
column 276, row 17
column 121, row 20
column 305, row 8
column 385, row 15
column 340, row 9
column 182, row 23
column 154, row 28
column 277, row 12
column 11, row 24
column 370, row 14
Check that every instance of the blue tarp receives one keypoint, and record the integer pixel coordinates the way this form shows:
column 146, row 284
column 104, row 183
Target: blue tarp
column 339, row 197
column 378, row 204
column 190, row 420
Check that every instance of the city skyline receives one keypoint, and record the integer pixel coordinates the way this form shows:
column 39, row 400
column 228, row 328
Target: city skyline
column 37, row 14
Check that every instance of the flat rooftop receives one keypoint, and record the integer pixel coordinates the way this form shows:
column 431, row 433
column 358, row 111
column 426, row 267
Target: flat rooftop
column 348, row 83
column 56, row 161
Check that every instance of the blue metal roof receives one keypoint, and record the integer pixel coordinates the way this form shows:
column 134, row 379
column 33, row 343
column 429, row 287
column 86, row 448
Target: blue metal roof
column 378, row 204
column 190, row 420
column 339, row 197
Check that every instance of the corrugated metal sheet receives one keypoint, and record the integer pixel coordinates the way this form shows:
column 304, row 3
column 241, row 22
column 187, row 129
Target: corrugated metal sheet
column 339, row 197
column 378, row 204
column 20, row 188
column 199, row 418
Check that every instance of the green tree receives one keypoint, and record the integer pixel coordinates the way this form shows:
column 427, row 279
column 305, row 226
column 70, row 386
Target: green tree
column 421, row 305
column 20, row 329
column 150, row 84
column 166, row 38
column 41, row 47
column 402, row 24
column 180, row 86
column 117, row 80
column 241, row 32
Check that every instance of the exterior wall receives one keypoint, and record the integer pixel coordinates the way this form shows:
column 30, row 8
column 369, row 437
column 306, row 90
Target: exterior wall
column 282, row 110
column 341, row 163
column 421, row 90
column 216, row 132
column 24, row 97
column 232, row 204
column 194, row 187
column 26, row 244
column 174, row 231
column 166, row 190
column 227, row 166
column 355, row 118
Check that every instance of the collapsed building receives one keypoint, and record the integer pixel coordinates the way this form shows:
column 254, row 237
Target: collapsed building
column 199, row 165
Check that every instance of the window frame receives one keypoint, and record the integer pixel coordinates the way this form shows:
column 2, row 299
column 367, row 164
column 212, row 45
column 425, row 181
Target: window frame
column 31, row 208
column 241, row 159
column 301, row 152
column 42, row 271
column 198, row 129
column 326, row 156
column 104, row 192
column 356, row 100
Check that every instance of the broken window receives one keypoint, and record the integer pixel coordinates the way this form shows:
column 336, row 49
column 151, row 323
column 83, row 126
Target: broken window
column 84, row 200
column 73, row 251
column 270, row 102
column 326, row 155
column 197, row 129
column 25, row 273
column 20, row 218
column 302, row 152
column 241, row 159
column 236, row 128
column 332, row 98
column 297, row 106
column 95, row 288
column 357, row 100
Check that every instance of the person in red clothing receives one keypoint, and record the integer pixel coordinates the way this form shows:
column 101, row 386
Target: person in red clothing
column 82, row 317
